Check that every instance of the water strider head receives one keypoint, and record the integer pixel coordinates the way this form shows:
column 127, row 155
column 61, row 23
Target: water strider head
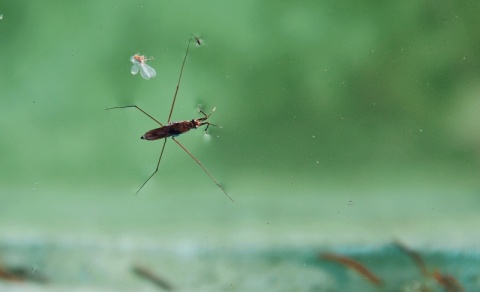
column 201, row 121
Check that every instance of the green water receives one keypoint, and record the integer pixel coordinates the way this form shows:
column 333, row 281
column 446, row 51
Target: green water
column 344, row 126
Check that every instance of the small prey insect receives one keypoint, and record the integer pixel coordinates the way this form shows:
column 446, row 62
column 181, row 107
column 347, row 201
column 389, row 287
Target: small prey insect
column 173, row 129
column 140, row 64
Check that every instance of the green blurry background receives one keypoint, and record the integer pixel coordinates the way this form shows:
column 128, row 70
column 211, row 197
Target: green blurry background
column 343, row 124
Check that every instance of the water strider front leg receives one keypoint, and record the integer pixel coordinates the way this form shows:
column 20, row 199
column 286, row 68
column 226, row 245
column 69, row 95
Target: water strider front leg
column 138, row 109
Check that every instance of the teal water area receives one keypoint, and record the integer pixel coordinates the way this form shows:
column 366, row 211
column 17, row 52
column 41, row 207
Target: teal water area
column 104, row 266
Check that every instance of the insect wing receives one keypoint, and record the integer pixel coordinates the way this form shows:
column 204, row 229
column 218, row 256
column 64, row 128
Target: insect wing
column 134, row 69
column 159, row 133
column 146, row 71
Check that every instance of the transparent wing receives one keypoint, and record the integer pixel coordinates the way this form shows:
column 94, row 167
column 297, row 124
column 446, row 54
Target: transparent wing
column 146, row 71
column 134, row 69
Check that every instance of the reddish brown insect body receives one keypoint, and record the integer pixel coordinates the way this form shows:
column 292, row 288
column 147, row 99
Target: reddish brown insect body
column 176, row 128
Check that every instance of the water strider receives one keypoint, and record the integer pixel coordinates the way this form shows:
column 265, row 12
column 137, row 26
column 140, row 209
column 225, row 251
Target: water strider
column 173, row 129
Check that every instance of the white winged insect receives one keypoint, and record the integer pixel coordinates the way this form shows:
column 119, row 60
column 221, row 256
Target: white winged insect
column 140, row 64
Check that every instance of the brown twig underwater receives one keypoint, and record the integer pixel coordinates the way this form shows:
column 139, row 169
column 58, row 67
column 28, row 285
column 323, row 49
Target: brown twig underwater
column 415, row 256
column 448, row 282
column 149, row 275
column 9, row 276
column 350, row 263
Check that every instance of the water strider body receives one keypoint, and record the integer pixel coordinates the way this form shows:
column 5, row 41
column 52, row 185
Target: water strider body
column 176, row 128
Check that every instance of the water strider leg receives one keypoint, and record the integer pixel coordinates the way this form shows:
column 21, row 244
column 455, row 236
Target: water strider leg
column 178, row 83
column 206, row 117
column 203, row 167
column 156, row 169
column 138, row 109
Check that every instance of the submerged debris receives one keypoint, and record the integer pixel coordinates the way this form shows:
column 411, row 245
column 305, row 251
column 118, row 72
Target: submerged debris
column 448, row 282
column 354, row 265
column 147, row 274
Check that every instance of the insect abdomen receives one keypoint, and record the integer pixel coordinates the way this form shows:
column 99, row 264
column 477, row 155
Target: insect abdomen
column 173, row 129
